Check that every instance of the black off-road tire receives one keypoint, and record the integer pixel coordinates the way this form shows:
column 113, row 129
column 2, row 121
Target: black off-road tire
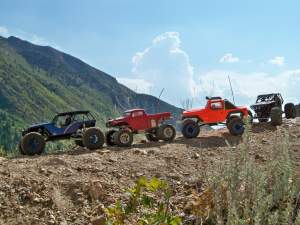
column 230, row 118
column 123, row 138
column 190, row 129
column 290, row 111
column 152, row 137
column 166, row 132
column 20, row 148
column 276, row 116
column 93, row 138
column 236, row 126
column 109, row 137
column 79, row 143
column 33, row 144
column 250, row 117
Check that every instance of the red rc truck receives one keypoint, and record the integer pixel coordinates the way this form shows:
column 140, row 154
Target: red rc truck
column 137, row 121
column 217, row 111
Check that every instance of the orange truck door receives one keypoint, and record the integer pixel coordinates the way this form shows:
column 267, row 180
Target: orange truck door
column 216, row 112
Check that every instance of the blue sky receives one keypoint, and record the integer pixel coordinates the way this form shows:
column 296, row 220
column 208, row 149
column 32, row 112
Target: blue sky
column 186, row 47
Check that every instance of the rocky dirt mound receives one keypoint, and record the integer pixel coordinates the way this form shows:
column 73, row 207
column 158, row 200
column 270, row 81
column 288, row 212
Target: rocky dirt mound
column 72, row 187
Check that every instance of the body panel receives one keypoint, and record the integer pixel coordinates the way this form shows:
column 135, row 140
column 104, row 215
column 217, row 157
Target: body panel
column 214, row 112
column 137, row 120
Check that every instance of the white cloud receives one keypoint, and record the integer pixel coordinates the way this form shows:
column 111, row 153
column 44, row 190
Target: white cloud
column 247, row 86
column 4, row 31
column 165, row 64
column 278, row 60
column 137, row 85
column 229, row 58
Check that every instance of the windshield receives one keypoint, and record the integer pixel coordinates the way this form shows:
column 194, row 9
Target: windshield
column 125, row 114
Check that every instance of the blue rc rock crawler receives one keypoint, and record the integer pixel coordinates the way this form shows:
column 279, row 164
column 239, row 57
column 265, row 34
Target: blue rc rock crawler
column 77, row 125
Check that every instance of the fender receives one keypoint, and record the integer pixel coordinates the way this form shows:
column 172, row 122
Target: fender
column 196, row 118
column 242, row 114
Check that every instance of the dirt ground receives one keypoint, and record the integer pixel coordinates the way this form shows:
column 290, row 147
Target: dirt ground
column 71, row 187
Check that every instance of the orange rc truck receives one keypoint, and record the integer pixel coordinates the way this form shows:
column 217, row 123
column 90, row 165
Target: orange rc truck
column 217, row 111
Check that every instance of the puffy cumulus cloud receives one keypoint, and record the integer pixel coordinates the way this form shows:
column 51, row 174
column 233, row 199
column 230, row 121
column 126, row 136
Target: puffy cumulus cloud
column 4, row 31
column 165, row 64
column 247, row 86
column 229, row 58
column 137, row 85
column 278, row 61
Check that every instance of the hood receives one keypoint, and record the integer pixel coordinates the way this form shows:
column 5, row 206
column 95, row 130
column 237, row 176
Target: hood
column 113, row 122
column 187, row 112
column 117, row 119
column 39, row 125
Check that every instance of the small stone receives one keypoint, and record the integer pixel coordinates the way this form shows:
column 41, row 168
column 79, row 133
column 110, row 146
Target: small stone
column 139, row 151
column 37, row 200
column 104, row 152
column 259, row 157
column 195, row 156
column 264, row 141
column 174, row 176
column 151, row 151
column 139, row 174
column 42, row 170
column 112, row 160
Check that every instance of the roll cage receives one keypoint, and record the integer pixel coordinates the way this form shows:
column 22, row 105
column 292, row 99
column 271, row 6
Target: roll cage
column 75, row 116
column 276, row 97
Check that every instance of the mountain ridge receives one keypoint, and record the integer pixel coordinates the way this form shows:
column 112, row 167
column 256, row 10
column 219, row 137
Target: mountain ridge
column 38, row 81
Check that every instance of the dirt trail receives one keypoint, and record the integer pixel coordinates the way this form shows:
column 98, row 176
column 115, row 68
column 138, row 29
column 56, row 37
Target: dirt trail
column 71, row 187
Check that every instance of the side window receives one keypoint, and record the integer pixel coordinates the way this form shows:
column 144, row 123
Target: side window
column 64, row 121
column 137, row 114
column 78, row 117
column 216, row 105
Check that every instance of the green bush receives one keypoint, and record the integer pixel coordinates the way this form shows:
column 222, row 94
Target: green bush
column 150, row 200
column 9, row 135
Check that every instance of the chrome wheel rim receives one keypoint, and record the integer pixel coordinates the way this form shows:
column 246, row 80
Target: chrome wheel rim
column 168, row 132
column 124, row 138
column 94, row 139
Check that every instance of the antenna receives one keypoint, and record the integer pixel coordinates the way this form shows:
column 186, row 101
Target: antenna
column 231, row 89
column 158, row 100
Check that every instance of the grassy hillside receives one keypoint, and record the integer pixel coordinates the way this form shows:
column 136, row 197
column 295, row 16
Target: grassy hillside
column 38, row 81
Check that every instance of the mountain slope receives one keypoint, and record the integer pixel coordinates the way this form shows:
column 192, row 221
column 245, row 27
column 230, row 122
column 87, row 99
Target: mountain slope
column 38, row 81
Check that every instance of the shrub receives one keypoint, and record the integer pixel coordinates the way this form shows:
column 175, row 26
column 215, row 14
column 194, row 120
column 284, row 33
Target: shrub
column 243, row 192
column 150, row 200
